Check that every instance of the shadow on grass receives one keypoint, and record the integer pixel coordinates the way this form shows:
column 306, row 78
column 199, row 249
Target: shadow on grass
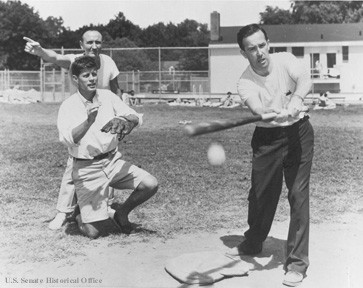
column 271, row 257
column 108, row 228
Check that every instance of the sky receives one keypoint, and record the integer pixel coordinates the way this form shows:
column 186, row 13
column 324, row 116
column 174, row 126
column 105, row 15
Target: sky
column 77, row 13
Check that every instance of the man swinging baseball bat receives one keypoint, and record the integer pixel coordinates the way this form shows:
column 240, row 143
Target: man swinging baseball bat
column 282, row 148
column 282, row 145
column 218, row 125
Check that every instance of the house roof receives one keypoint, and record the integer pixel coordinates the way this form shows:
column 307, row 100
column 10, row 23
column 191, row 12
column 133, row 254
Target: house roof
column 300, row 33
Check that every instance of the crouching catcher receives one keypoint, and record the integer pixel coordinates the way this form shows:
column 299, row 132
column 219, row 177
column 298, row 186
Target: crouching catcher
column 91, row 123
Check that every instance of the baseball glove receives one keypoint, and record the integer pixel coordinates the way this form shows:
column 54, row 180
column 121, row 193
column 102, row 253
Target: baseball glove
column 119, row 126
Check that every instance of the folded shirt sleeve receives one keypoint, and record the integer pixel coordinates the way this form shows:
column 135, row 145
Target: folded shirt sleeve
column 122, row 110
column 65, row 127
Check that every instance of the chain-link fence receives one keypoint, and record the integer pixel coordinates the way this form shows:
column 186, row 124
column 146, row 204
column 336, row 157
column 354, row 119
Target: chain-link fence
column 24, row 80
column 165, row 82
column 159, row 70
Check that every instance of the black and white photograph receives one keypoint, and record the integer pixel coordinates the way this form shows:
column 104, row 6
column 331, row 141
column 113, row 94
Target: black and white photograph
column 222, row 140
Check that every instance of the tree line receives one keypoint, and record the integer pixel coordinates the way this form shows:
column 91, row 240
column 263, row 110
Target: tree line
column 18, row 20
column 314, row 12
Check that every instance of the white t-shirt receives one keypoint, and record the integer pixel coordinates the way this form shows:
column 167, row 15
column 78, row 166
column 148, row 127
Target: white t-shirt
column 107, row 72
column 274, row 90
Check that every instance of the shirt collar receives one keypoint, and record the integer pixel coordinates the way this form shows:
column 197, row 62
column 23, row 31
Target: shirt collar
column 85, row 101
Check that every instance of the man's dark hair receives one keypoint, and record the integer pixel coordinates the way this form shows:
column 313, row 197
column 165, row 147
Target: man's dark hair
column 82, row 63
column 248, row 30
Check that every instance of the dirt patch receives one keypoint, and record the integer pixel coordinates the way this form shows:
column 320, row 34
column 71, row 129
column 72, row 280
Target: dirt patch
column 335, row 254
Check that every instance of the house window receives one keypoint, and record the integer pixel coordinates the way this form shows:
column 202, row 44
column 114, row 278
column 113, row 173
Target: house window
column 345, row 53
column 277, row 49
column 298, row 51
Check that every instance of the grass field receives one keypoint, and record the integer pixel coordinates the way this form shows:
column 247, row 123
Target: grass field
column 193, row 196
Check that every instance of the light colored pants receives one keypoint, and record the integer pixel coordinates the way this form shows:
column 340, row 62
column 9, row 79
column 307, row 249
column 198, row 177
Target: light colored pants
column 66, row 197
column 92, row 179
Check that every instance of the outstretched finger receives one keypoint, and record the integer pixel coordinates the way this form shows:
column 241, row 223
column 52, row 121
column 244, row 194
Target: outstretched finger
column 29, row 40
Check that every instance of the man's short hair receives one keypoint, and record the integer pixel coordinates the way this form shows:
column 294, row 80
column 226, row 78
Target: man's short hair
column 82, row 63
column 89, row 30
column 248, row 30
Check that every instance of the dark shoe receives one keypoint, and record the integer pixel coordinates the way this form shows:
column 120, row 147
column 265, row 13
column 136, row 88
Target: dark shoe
column 71, row 217
column 125, row 229
column 116, row 206
column 249, row 248
column 293, row 278
column 246, row 248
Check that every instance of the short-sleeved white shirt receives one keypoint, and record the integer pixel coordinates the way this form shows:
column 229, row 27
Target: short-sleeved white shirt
column 107, row 72
column 73, row 112
column 274, row 90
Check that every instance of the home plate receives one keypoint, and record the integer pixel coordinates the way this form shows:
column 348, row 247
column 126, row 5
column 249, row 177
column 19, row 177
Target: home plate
column 205, row 267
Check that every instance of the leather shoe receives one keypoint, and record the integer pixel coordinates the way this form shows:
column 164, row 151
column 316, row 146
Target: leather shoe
column 246, row 248
column 125, row 229
column 293, row 278
column 249, row 248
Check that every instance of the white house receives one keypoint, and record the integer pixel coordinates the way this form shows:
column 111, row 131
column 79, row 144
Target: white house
column 332, row 52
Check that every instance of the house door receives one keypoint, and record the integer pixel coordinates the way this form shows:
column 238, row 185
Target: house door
column 331, row 60
column 314, row 64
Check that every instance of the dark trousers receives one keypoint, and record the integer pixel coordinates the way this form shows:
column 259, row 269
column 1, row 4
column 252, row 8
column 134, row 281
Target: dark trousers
column 277, row 153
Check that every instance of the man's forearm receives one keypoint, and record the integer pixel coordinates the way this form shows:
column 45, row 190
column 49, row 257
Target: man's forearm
column 303, row 87
column 51, row 56
column 81, row 130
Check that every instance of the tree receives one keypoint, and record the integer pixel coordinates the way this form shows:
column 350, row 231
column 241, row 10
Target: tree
column 275, row 15
column 128, row 60
column 16, row 21
column 188, row 33
column 120, row 27
column 323, row 12
column 314, row 12
column 194, row 60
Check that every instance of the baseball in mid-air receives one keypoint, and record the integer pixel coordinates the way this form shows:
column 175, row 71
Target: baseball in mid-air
column 216, row 154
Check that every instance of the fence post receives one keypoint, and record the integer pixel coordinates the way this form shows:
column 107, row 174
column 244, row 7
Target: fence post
column 53, row 80
column 63, row 79
column 159, row 73
column 41, row 76
column 138, row 81
column 209, row 74
column 8, row 78
column 133, row 80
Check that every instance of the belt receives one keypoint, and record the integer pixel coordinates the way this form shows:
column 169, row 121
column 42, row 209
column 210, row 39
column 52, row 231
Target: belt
column 281, row 128
column 98, row 157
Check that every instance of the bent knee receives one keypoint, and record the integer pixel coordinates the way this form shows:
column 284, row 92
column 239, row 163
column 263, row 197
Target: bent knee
column 150, row 183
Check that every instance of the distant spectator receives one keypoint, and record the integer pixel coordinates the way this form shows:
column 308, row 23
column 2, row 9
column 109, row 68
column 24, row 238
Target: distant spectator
column 324, row 102
column 228, row 101
column 127, row 97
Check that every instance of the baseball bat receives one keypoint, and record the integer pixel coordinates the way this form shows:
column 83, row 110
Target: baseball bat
column 217, row 125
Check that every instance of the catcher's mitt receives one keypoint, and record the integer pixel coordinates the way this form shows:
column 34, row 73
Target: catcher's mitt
column 119, row 126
